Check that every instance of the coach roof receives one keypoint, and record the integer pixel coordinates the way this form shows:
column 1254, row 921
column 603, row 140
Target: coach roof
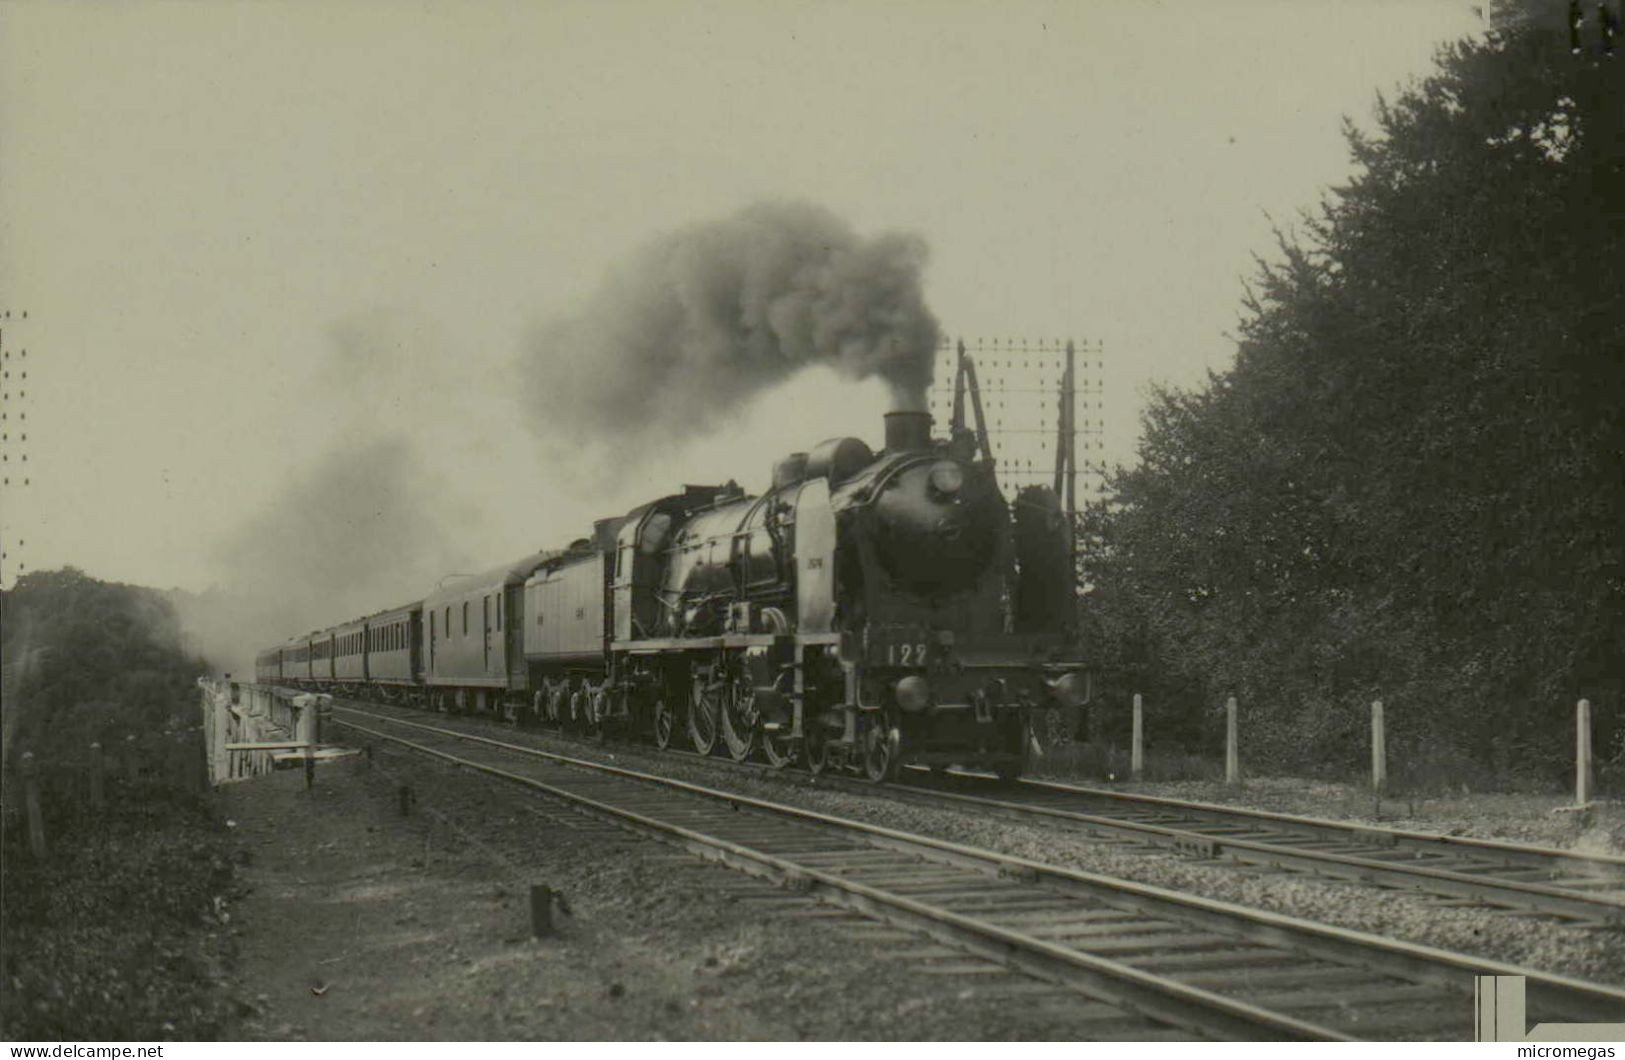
column 494, row 580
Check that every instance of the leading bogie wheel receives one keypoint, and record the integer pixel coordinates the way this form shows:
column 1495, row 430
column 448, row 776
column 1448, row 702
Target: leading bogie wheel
column 882, row 747
column 815, row 749
column 665, row 721
column 779, row 750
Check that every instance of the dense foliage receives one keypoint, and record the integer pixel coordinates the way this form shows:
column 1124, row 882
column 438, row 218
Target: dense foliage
column 119, row 935
column 1411, row 484
column 114, row 932
column 87, row 660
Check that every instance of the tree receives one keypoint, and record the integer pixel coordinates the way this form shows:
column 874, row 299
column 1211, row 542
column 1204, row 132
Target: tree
column 1410, row 482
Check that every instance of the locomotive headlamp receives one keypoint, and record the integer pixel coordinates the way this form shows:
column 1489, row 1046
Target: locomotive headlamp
column 947, row 477
column 1071, row 689
column 913, row 694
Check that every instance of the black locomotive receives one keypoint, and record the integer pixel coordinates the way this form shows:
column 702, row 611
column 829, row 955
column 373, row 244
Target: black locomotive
column 867, row 611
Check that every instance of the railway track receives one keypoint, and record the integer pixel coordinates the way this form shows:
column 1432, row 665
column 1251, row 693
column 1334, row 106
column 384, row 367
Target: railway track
column 1588, row 889
column 1578, row 888
column 1208, row 968
column 1573, row 887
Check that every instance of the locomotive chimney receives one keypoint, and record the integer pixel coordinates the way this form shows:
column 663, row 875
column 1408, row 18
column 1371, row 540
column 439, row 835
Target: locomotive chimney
column 907, row 429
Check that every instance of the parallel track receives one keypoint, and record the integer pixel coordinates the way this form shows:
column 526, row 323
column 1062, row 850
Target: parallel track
column 1208, row 967
column 1587, row 889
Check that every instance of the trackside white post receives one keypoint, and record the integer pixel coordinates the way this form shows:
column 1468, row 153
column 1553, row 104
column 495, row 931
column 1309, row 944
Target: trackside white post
column 1136, row 761
column 1232, row 757
column 1379, row 749
column 306, row 730
column 305, row 721
column 1582, row 753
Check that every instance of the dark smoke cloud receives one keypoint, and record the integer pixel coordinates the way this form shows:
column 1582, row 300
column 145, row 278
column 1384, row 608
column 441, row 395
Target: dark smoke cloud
column 706, row 317
column 365, row 529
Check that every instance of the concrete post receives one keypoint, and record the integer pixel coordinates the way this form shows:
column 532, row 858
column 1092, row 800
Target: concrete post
column 1582, row 753
column 225, row 727
column 1232, row 757
column 541, row 910
column 1136, row 759
column 97, row 791
column 305, row 727
column 36, row 820
column 1379, row 749
column 305, row 724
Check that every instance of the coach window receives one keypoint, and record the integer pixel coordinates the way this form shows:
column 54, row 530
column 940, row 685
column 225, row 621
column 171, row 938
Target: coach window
column 465, row 618
column 499, row 612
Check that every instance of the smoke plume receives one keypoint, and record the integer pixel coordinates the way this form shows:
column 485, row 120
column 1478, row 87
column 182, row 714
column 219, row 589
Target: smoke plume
column 706, row 317
column 361, row 531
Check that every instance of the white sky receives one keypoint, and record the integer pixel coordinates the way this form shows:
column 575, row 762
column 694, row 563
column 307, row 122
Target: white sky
column 198, row 199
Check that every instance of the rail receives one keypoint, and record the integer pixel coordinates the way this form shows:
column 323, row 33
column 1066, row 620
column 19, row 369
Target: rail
column 1268, row 933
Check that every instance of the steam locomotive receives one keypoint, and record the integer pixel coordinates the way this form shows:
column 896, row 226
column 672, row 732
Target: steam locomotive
column 868, row 611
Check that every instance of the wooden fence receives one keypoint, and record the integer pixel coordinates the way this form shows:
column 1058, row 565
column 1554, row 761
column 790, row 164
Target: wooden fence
column 1584, row 788
column 248, row 726
column 65, row 792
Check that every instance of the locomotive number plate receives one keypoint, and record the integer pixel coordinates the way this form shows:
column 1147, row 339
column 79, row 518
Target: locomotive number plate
column 906, row 654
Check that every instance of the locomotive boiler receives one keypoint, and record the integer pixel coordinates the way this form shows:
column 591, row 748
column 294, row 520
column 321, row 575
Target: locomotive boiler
column 866, row 611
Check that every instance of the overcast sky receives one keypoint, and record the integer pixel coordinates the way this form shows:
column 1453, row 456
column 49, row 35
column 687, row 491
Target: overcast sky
column 248, row 235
